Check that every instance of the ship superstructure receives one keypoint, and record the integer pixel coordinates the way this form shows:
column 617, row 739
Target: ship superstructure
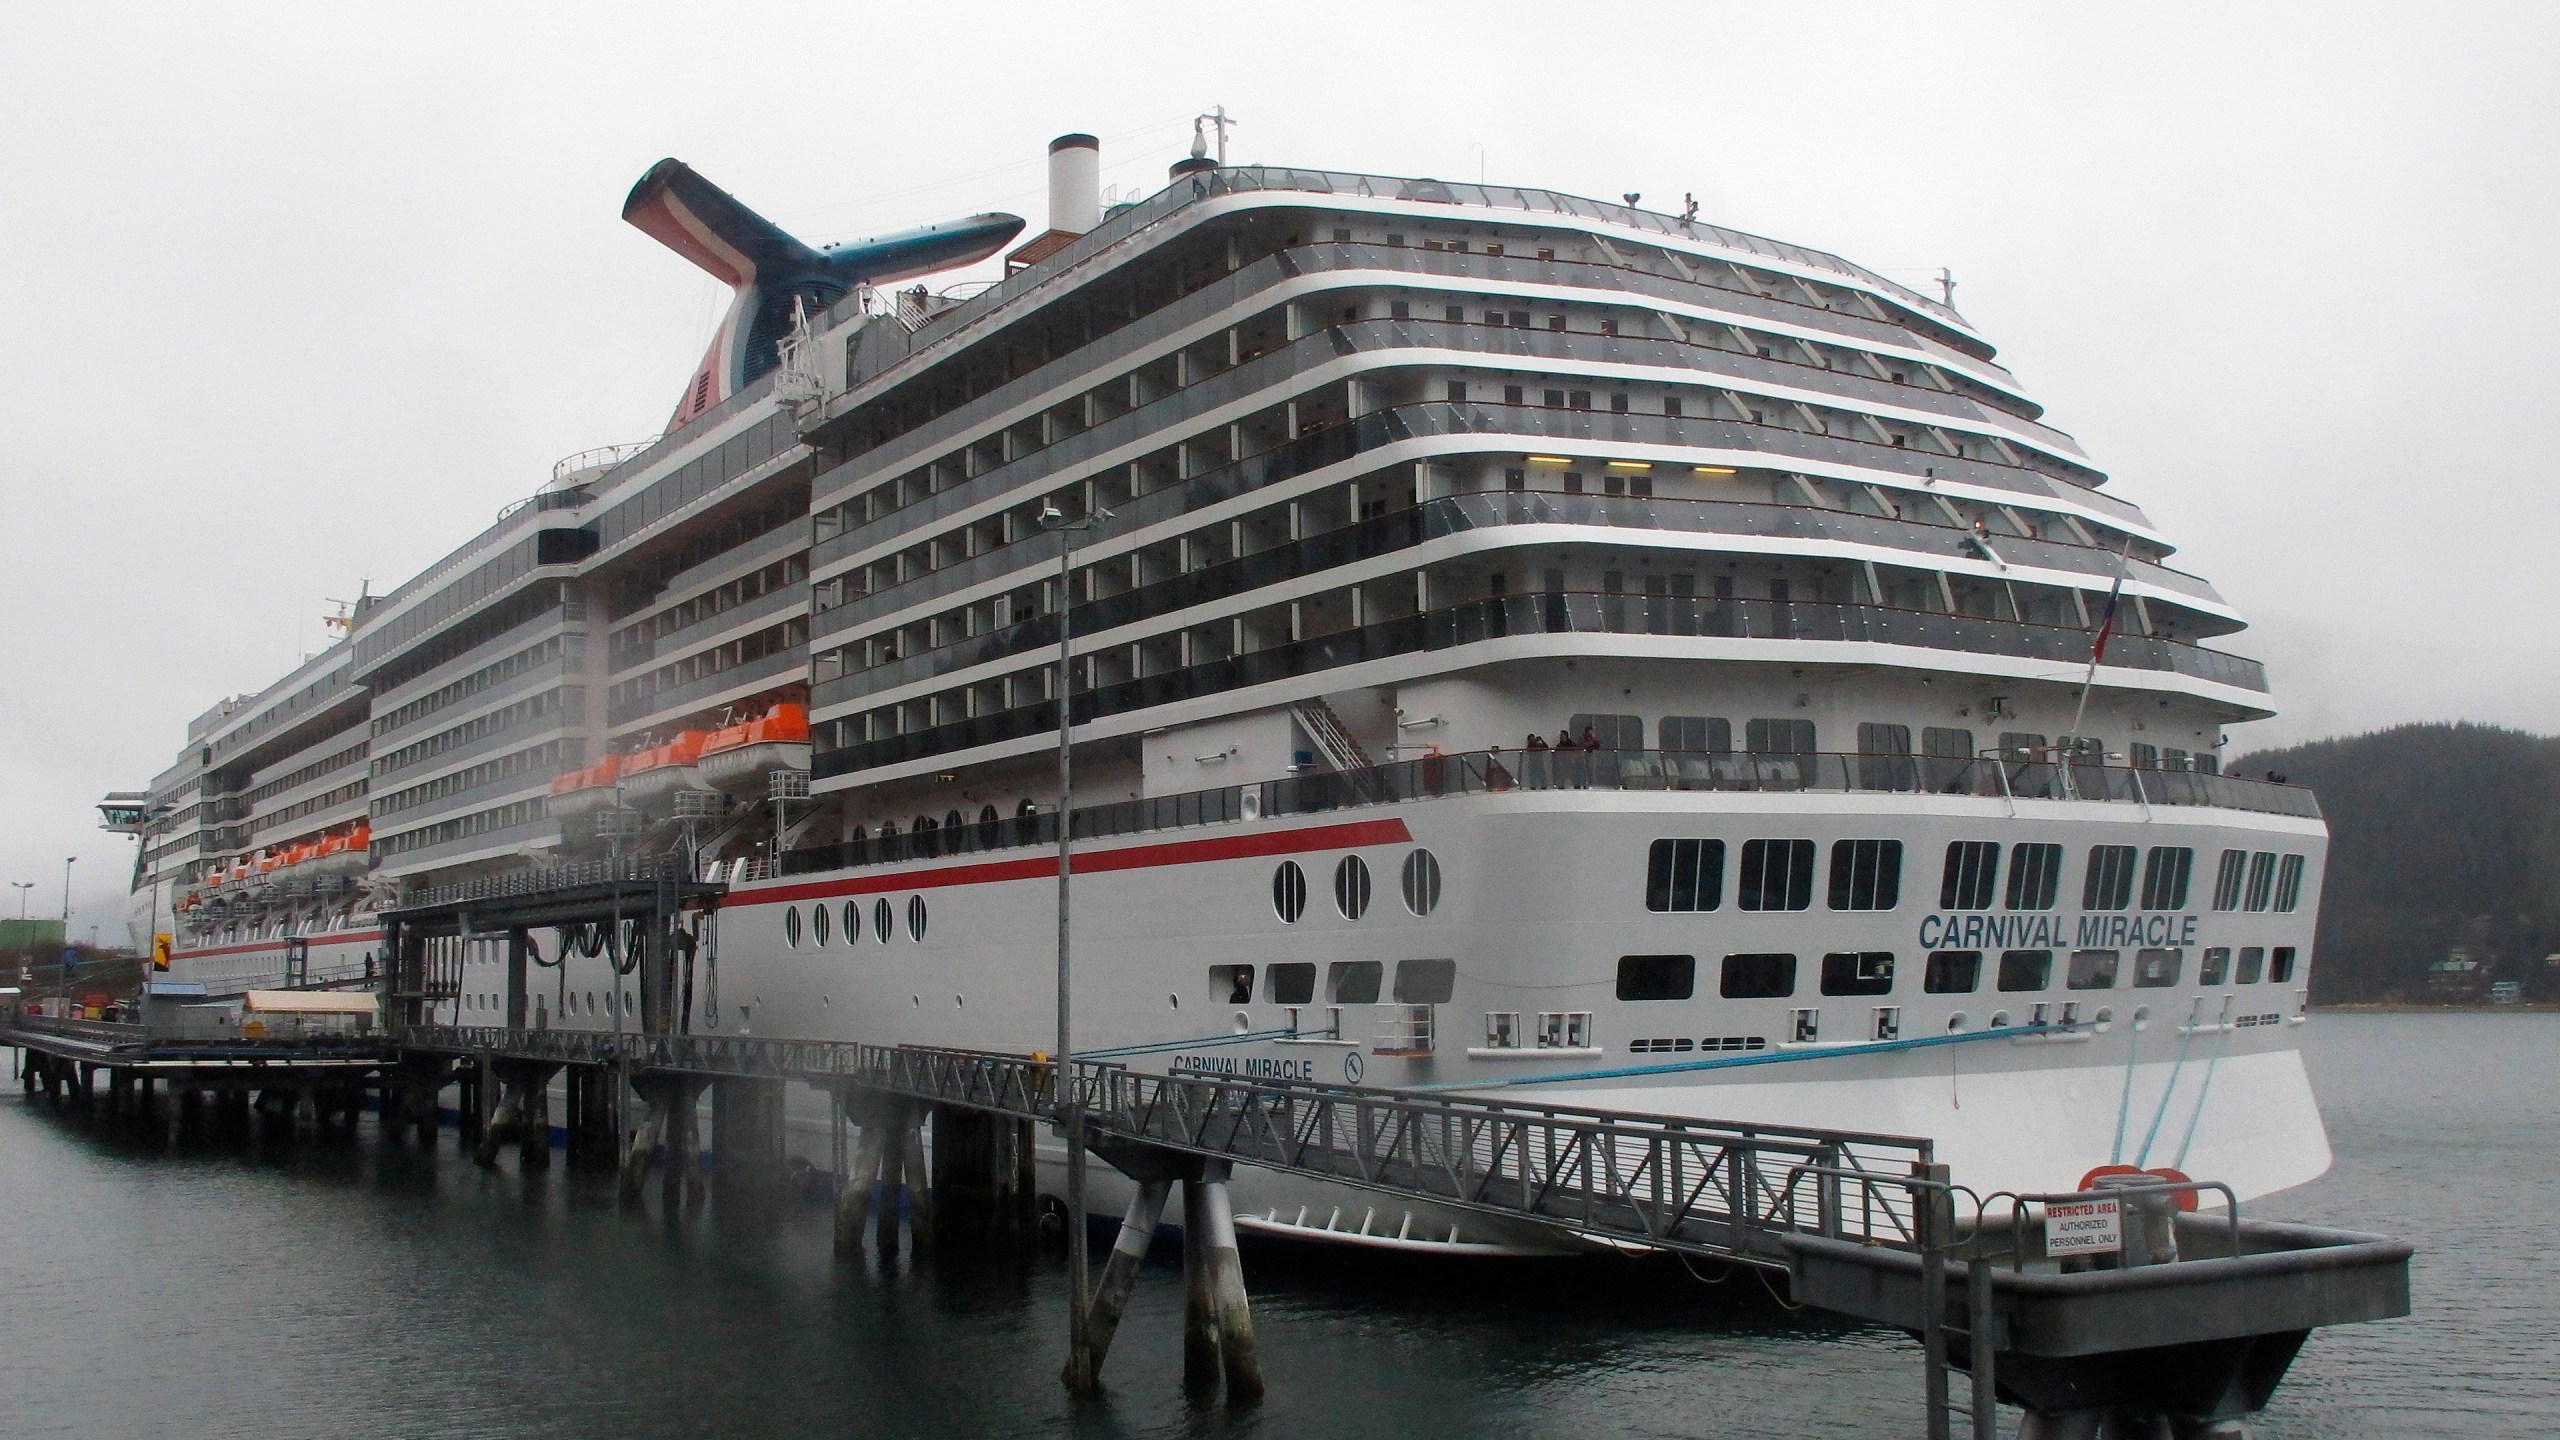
column 1517, row 640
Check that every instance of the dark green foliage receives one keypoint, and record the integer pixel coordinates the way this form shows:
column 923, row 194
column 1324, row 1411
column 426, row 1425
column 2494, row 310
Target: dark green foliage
column 2440, row 835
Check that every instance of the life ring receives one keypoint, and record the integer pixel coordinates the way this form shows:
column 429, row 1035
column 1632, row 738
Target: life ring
column 2186, row 1198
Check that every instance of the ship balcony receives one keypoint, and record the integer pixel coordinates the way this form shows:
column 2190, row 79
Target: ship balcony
column 1436, row 777
column 1920, row 635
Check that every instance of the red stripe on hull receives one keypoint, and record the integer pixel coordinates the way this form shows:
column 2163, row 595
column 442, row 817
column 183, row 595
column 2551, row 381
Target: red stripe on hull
column 355, row 937
column 1136, row 857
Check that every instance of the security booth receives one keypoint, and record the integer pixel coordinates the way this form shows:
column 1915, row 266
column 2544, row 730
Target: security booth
column 165, row 1003
column 309, row 1014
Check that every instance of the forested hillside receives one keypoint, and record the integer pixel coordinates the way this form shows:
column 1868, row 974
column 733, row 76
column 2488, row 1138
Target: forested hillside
column 2441, row 836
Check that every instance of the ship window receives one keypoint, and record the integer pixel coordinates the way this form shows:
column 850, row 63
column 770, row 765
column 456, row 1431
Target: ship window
column 1953, row 972
column 2109, row 883
column 2164, row 877
column 2035, row 875
column 1456, row 392
column 881, row 918
column 2280, row 968
column 1972, row 868
column 1455, row 315
column 1778, row 737
column 1614, row 732
column 2094, row 969
column 820, row 930
column 1289, row 892
column 1293, row 982
column 1400, row 310
column 1351, row 887
column 1697, row 734
column 915, row 918
column 1353, row 982
column 1757, row 977
column 2025, row 969
column 1776, row 875
column 852, row 922
column 1866, row 874
column 2289, row 884
column 2157, row 969
column 2253, row 964
column 2226, row 879
column 2216, row 969
column 1232, row 982
column 2262, row 879
column 1684, row 875
column 1657, row 977
column 1421, row 882
column 1425, row 982
column 1857, row 972
column 791, row 926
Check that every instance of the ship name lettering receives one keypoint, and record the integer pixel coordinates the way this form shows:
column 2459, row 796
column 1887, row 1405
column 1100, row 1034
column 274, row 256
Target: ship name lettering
column 2047, row 932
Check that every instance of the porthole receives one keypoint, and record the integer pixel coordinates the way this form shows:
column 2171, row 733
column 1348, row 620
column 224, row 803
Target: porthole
column 1999, row 1019
column 1173, row 1002
column 1351, row 887
column 821, row 929
column 591, row 1002
column 2103, row 1021
column 915, row 918
column 880, row 918
column 1955, row 1022
column 2141, row 1017
column 1289, row 892
column 791, row 926
column 1421, row 882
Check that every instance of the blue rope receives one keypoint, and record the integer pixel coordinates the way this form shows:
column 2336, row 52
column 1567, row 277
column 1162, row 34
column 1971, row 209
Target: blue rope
column 2166, row 1091
column 1766, row 1057
column 2124, row 1102
column 2221, row 1042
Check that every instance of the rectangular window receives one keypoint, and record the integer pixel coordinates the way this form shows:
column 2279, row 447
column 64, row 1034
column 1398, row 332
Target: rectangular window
column 1456, row 392
column 1757, row 977
column 1778, row 737
column 2217, row 966
column 1671, row 406
column 1953, row 972
column 1866, row 874
column 2094, row 969
column 2280, row 966
column 2156, row 969
column 2164, row 877
column 2035, row 876
column 1293, row 982
column 1400, row 309
column 1519, row 318
column 1697, row 734
column 1353, row 982
column 1614, row 732
column 1514, row 395
column 1618, row 403
column 1455, row 315
column 2289, row 884
column 1657, row 977
column 1232, row 982
column 2025, row 969
column 2141, row 756
column 1776, row 875
column 2253, row 964
column 2226, row 879
column 1684, row 876
column 1425, row 982
column 1858, row 972
column 2262, row 879
column 1884, row 758
column 1972, row 868
column 2109, row 883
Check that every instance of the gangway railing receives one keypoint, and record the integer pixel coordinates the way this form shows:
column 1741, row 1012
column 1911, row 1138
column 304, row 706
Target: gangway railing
column 1703, row 1187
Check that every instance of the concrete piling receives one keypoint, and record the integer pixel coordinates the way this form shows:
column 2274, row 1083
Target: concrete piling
column 1120, row 1276
column 1239, row 1354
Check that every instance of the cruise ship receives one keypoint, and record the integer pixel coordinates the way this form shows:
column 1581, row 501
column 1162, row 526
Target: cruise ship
column 1512, row 642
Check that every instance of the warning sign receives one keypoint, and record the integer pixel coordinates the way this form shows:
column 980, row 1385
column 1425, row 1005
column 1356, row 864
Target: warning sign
column 2083, row 1227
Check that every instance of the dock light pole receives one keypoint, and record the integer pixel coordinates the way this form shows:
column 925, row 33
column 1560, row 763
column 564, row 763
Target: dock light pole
column 62, row 960
column 1080, row 1375
column 22, row 887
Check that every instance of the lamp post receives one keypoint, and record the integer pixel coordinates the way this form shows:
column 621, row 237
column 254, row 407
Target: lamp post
column 26, row 949
column 62, row 961
column 1079, row 1374
column 22, row 887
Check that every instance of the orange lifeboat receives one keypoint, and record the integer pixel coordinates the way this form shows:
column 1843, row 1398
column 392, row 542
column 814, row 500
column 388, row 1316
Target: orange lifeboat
column 342, row 853
column 583, row 792
column 737, row 758
column 661, row 770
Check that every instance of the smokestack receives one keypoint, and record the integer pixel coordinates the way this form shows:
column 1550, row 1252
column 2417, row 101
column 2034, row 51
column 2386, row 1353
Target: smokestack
column 1075, row 183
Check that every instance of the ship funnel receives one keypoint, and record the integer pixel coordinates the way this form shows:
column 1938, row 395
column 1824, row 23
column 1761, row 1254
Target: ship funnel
column 1075, row 183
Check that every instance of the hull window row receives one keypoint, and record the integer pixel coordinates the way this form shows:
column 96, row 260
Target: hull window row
column 1771, row 976
column 2257, row 881
column 818, row 928
column 1418, row 880
column 1687, row 876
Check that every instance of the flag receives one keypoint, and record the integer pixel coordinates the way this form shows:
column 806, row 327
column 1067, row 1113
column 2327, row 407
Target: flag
column 2107, row 622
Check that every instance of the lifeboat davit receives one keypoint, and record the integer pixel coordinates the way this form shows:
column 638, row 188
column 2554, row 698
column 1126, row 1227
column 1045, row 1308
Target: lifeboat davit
column 662, row 770
column 737, row 758
column 584, row 792
column 345, row 853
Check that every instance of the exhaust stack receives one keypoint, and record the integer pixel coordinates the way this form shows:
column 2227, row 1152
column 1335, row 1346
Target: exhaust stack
column 1075, row 183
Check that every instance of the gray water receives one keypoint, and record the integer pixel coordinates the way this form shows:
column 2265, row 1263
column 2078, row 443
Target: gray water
column 282, row 1291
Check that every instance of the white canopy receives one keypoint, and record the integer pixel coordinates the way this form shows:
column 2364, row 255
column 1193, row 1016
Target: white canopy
column 312, row 1002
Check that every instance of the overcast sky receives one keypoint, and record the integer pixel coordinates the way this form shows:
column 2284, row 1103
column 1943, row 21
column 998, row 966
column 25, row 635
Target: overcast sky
column 294, row 298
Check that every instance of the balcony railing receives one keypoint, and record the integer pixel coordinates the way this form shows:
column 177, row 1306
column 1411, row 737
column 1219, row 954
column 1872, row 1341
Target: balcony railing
column 1435, row 777
column 1563, row 613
